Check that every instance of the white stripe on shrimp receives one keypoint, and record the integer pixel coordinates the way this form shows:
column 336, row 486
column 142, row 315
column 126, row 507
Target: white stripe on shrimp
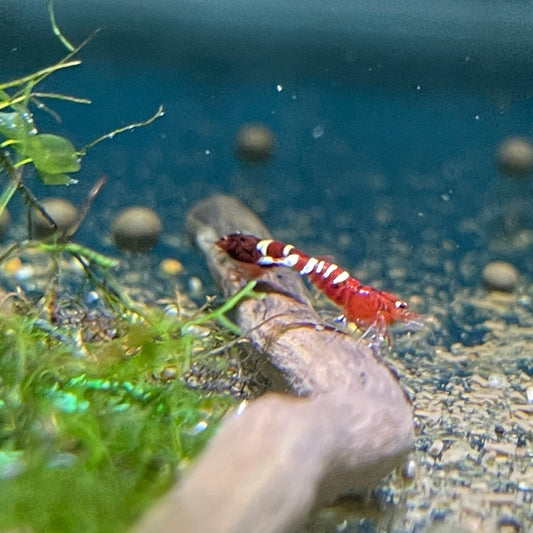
column 329, row 270
column 309, row 266
column 341, row 277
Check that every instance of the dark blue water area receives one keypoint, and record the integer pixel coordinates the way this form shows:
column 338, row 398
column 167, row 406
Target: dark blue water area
column 363, row 170
column 341, row 150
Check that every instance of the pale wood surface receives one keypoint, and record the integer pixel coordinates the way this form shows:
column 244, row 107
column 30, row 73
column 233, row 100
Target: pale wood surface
column 343, row 423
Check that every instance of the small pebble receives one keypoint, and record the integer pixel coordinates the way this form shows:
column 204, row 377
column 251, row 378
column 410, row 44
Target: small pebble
column 62, row 212
column 497, row 381
column 201, row 426
column 524, row 487
column 255, row 143
column 92, row 297
column 11, row 266
column 137, row 229
column 170, row 267
column 514, row 157
column 529, row 394
column 410, row 470
column 24, row 272
column 500, row 276
column 509, row 524
column 195, row 285
column 168, row 373
column 197, row 331
column 436, row 448
column 499, row 429
column 171, row 310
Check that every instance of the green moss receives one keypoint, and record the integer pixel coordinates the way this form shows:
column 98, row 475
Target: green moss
column 86, row 443
column 90, row 433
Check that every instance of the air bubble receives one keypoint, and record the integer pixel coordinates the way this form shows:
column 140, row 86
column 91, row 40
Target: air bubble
column 318, row 131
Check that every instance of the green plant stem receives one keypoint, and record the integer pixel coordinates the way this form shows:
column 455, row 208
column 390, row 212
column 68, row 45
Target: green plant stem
column 77, row 249
column 23, row 162
column 218, row 314
column 66, row 43
column 10, row 102
column 15, row 179
column 7, row 194
column 159, row 113
column 59, row 96
column 30, row 78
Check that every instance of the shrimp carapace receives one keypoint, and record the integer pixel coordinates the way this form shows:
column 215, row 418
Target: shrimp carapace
column 361, row 304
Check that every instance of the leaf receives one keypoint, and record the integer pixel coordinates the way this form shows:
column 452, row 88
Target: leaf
column 55, row 179
column 16, row 125
column 51, row 154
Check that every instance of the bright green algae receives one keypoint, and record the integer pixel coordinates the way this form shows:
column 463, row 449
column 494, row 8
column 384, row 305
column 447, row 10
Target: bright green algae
column 86, row 443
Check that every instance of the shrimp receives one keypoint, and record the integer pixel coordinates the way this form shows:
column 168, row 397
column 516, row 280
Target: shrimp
column 361, row 304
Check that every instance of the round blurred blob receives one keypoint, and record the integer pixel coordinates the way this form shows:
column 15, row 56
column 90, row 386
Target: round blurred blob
column 170, row 267
column 5, row 220
column 514, row 157
column 137, row 229
column 255, row 143
column 500, row 276
column 61, row 211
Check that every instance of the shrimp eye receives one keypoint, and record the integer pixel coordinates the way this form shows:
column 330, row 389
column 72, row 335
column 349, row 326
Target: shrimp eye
column 400, row 305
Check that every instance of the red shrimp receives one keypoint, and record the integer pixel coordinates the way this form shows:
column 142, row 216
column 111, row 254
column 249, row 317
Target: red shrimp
column 361, row 304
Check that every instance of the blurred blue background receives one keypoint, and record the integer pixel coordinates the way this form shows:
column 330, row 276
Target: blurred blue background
column 387, row 117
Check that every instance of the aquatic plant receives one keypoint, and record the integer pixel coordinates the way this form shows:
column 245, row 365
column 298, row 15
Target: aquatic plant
column 95, row 413
column 52, row 157
column 89, row 434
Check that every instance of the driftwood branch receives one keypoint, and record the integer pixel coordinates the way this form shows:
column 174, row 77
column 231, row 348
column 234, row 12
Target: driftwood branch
column 343, row 423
